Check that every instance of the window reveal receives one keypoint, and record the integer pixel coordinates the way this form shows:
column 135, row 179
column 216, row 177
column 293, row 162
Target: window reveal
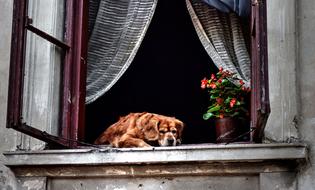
column 71, row 123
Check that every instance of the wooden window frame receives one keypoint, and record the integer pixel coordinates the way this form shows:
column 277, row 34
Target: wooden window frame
column 74, row 72
column 260, row 105
column 73, row 76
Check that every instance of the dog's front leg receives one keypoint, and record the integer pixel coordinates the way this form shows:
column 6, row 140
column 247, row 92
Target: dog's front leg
column 128, row 141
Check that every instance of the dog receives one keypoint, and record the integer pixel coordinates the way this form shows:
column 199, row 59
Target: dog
column 142, row 130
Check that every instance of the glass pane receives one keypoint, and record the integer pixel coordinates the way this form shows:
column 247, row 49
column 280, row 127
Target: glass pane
column 48, row 16
column 42, row 79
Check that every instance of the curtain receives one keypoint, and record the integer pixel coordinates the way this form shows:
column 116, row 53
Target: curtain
column 117, row 28
column 240, row 7
column 222, row 37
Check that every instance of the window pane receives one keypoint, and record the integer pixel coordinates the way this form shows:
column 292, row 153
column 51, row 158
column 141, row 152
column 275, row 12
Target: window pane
column 48, row 16
column 42, row 79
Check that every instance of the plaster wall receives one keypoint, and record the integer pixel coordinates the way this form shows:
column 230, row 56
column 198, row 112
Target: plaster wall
column 282, row 57
column 291, row 40
column 8, row 138
column 169, row 183
column 306, row 79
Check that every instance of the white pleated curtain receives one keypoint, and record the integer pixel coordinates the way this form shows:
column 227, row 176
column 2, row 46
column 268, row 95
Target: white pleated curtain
column 116, row 35
column 222, row 37
column 117, row 28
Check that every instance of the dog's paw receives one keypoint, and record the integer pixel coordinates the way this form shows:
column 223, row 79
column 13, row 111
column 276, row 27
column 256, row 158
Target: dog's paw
column 144, row 145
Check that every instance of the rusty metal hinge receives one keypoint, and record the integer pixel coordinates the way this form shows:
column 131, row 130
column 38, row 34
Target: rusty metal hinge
column 256, row 2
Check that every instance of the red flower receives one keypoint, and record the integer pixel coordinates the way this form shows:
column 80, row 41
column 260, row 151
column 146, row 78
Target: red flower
column 242, row 82
column 204, row 83
column 219, row 101
column 213, row 77
column 213, row 85
column 232, row 102
column 220, row 70
column 246, row 89
column 221, row 115
column 220, row 81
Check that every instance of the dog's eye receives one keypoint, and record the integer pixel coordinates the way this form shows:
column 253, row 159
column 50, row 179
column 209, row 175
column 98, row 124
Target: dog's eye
column 173, row 131
column 162, row 132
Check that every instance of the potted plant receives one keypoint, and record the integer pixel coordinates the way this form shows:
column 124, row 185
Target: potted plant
column 227, row 104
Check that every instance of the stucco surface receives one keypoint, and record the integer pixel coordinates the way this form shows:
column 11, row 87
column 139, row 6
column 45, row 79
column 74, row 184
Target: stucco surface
column 7, row 137
column 187, row 183
column 291, row 40
column 306, row 70
column 283, row 119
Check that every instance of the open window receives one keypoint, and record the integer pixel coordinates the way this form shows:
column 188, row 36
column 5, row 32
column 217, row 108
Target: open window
column 46, row 84
column 48, row 73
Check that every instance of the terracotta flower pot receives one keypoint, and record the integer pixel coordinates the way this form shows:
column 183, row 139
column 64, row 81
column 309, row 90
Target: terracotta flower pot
column 227, row 129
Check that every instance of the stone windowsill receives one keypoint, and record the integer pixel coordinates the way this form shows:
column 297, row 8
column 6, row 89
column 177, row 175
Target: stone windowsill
column 204, row 159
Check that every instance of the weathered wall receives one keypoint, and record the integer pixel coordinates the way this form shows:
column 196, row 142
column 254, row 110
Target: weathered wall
column 169, row 183
column 291, row 38
column 282, row 123
column 306, row 79
column 7, row 137
column 291, row 42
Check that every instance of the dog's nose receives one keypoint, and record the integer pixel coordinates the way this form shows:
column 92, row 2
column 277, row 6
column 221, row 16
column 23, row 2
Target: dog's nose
column 170, row 141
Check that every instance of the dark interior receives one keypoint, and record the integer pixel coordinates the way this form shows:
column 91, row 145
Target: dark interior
column 164, row 78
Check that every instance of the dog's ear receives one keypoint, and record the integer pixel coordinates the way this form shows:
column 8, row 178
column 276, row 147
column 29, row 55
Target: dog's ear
column 180, row 127
column 151, row 130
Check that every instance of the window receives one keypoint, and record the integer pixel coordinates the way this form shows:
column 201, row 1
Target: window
column 50, row 105
column 43, row 39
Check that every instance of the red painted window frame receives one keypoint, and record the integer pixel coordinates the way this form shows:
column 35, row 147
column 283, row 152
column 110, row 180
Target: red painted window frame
column 73, row 79
column 74, row 75
column 260, row 106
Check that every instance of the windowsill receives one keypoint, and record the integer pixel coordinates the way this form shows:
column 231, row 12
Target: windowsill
column 204, row 159
column 184, row 153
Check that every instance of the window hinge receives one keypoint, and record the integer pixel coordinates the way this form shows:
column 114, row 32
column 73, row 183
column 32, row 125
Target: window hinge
column 256, row 2
column 29, row 21
column 83, row 60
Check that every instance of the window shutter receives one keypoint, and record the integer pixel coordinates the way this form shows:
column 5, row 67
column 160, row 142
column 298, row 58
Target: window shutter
column 70, row 72
column 260, row 107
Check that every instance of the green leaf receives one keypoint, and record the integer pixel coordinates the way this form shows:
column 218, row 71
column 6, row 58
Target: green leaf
column 216, row 108
column 214, row 91
column 211, row 106
column 227, row 110
column 207, row 116
column 235, row 114
column 214, row 96
column 228, row 100
column 224, row 81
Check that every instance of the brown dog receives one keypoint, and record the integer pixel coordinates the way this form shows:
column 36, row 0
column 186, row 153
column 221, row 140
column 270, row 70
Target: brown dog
column 142, row 129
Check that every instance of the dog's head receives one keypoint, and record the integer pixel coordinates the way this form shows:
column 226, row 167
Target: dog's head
column 170, row 131
column 166, row 131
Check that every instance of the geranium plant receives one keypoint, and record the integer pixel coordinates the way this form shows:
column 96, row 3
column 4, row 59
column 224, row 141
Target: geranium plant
column 226, row 99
